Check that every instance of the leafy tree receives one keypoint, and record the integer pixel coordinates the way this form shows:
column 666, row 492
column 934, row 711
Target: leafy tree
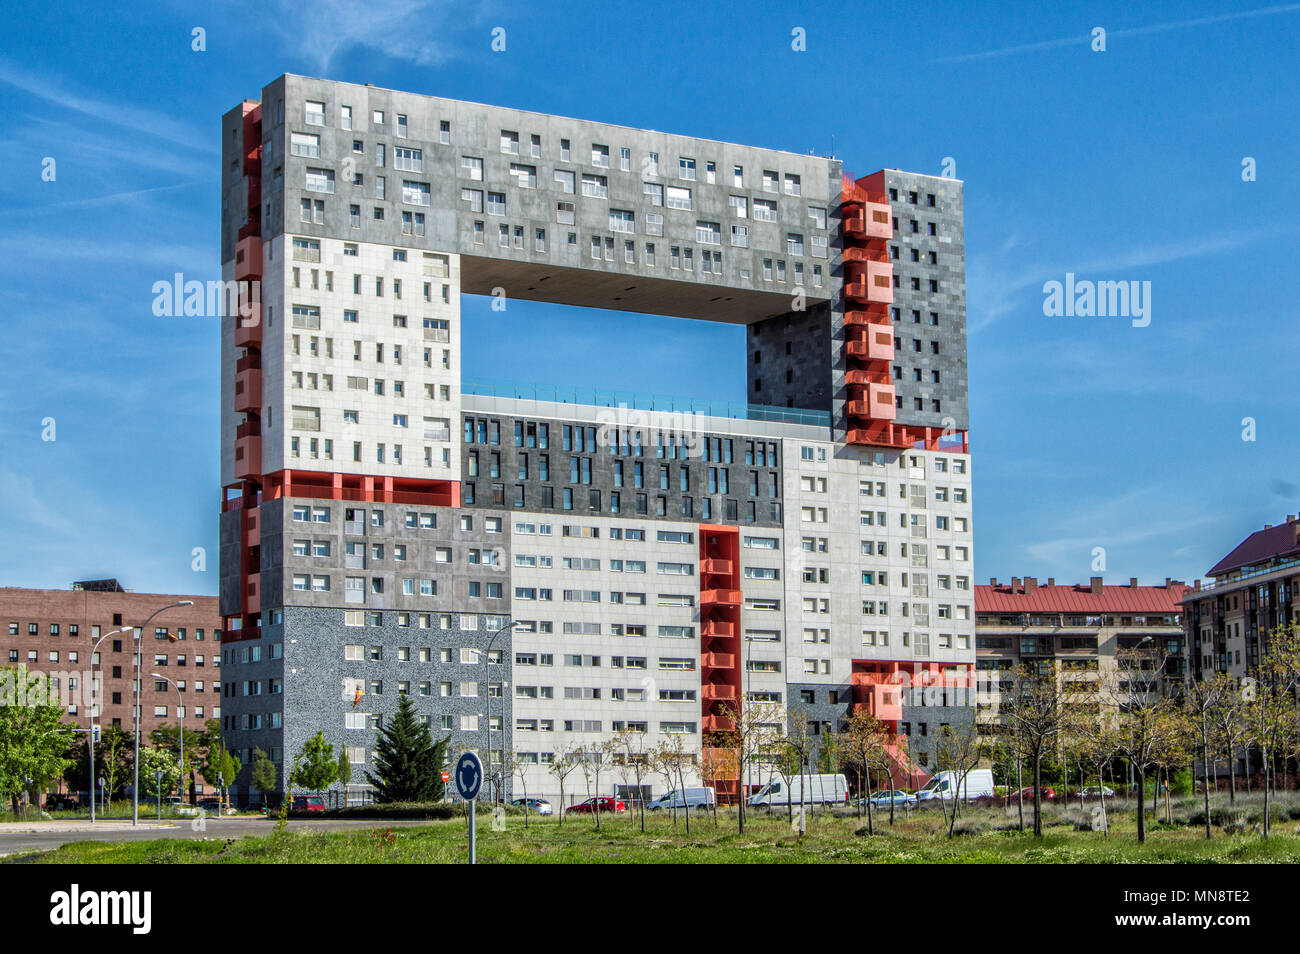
column 263, row 774
column 863, row 742
column 1036, row 716
column 220, row 767
column 408, row 763
column 314, row 768
column 33, row 739
column 168, row 738
column 344, row 768
column 152, row 761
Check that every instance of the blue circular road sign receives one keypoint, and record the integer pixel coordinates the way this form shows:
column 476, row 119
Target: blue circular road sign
column 469, row 776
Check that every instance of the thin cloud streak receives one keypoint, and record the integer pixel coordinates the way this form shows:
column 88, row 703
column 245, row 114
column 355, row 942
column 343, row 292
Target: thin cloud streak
column 1131, row 31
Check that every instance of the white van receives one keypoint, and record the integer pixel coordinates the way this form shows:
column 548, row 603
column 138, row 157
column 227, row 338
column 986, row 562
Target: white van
column 802, row 789
column 977, row 783
column 682, row 798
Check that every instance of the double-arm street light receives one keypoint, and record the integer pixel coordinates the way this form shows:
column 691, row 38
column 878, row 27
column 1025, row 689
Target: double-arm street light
column 91, row 740
column 139, row 666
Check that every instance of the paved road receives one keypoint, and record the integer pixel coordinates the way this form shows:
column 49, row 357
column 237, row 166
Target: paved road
column 16, row 838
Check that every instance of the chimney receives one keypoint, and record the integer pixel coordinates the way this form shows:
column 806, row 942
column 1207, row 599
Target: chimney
column 1132, row 582
column 1290, row 518
column 1167, row 582
column 993, row 581
column 1268, row 526
column 1031, row 584
column 1015, row 583
column 1096, row 586
column 1051, row 581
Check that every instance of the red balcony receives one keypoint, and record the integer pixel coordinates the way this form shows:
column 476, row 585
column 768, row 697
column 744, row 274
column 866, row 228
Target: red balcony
column 882, row 700
column 719, row 692
column 878, row 220
column 248, row 457
column 254, row 192
column 870, row 282
column 248, row 390
column 859, row 378
column 248, row 329
column 248, row 259
column 720, row 597
column 253, row 593
column 249, row 362
column 857, row 254
column 252, row 527
column 718, row 660
column 875, row 345
column 716, row 565
column 714, row 628
column 716, row 723
column 877, row 403
column 253, row 161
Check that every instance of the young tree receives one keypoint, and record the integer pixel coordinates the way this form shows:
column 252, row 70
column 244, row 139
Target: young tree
column 1203, row 698
column 153, row 761
column 862, row 742
column 561, row 767
column 672, row 761
column 408, row 763
column 1229, row 728
column 1035, row 715
column 755, row 728
column 168, row 738
column 634, row 763
column 263, row 774
column 344, row 765
column 798, row 744
column 220, row 767
column 1092, row 737
column 314, row 768
column 959, row 749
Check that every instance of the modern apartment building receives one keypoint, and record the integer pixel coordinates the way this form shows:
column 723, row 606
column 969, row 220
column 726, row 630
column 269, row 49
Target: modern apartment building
column 1252, row 592
column 1079, row 632
column 539, row 567
column 54, row 633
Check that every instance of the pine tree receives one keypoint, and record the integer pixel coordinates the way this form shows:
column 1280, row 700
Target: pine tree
column 408, row 763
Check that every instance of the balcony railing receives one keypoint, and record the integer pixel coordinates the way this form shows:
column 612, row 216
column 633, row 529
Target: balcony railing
column 596, row 397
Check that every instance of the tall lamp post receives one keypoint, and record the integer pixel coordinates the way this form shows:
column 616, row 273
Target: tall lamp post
column 180, row 724
column 91, row 739
column 139, row 665
column 487, row 727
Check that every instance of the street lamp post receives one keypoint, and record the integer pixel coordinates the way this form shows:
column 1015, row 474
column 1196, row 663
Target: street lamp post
column 487, row 727
column 91, row 740
column 139, row 665
column 180, row 725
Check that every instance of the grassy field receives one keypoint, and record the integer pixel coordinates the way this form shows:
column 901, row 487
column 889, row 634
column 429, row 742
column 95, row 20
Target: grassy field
column 989, row 836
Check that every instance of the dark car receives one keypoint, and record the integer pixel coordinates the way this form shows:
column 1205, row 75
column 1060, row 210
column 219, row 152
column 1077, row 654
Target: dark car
column 598, row 803
column 61, row 803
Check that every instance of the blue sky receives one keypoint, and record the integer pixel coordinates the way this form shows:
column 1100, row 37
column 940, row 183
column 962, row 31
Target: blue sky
column 1122, row 164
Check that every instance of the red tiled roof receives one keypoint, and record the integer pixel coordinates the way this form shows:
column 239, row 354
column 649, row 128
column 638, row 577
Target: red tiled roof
column 1261, row 546
column 1080, row 599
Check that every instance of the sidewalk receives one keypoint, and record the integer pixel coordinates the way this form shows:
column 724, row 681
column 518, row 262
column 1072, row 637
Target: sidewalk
column 115, row 824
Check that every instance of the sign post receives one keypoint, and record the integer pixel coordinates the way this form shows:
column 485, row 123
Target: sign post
column 469, row 779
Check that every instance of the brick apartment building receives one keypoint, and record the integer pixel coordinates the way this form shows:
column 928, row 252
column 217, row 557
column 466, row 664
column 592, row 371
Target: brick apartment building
column 1077, row 630
column 1252, row 591
column 54, row 631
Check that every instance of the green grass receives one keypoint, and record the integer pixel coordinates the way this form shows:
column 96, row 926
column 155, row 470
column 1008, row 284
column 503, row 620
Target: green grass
column 991, row 838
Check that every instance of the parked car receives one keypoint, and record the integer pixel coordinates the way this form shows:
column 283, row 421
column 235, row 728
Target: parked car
column 899, row 798
column 598, row 803
column 61, row 803
column 973, row 785
column 308, row 803
column 1098, row 791
column 802, row 790
column 539, row 805
column 683, row 798
column 1028, row 793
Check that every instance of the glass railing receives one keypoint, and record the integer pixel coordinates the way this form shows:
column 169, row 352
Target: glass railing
column 597, row 397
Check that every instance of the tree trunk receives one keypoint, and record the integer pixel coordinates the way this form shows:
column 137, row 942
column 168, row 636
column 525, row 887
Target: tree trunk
column 1020, row 792
column 1205, row 773
column 1038, row 795
column 1141, row 806
column 1264, row 753
column 871, row 830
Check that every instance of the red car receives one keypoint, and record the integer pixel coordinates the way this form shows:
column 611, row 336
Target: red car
column 1048, row 794
column 598, row 803
column 308, row 803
